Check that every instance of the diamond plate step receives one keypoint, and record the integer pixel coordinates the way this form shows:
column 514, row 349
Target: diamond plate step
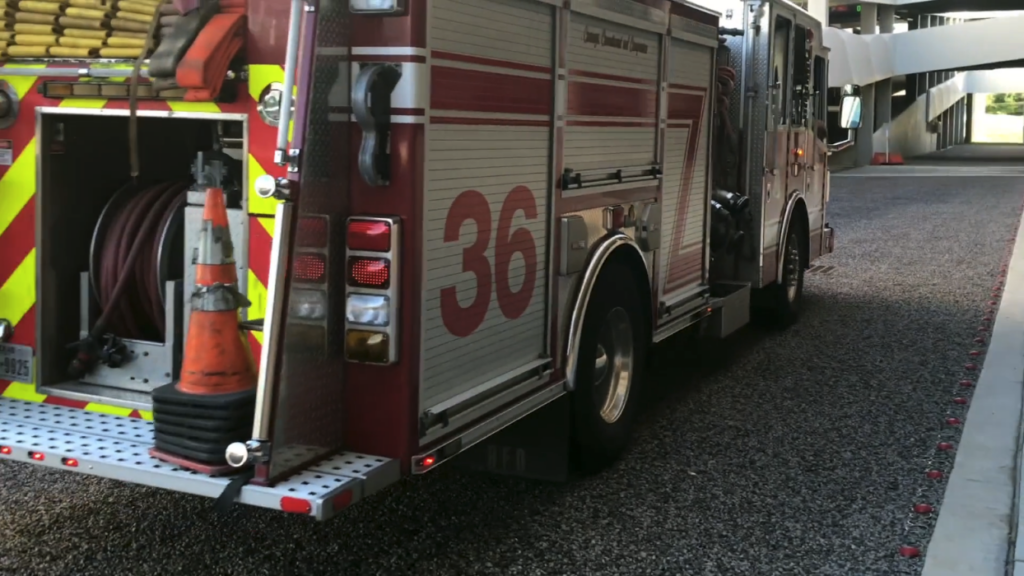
column 117, row 447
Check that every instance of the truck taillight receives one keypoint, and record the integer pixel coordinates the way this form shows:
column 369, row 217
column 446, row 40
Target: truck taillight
column 369, row 272
column 308, row 304
column 312, row 232
column 369, row 235
column 371, row 290
column 389, row 7
column 368, row 346
column 368, row 309
column 310, row 267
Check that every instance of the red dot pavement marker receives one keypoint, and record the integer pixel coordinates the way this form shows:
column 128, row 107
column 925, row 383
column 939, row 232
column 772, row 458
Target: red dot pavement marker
column 974, row 353
column 960, row 400
column 923, row 509
column 945, row 446
column 910, row 551
column 970, row 366
column 934, row 474
column 979, row 340
column 953, row 421
column 966, row 383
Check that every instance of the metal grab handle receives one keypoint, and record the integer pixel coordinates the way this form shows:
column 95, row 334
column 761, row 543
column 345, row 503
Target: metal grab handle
column 291, row 63
column 371, row 105
column 273, row 324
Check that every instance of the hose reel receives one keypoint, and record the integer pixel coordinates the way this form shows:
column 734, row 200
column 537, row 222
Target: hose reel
column 152, row 218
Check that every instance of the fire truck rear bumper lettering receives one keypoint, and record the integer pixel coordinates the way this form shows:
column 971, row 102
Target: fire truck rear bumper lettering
column 117, row 447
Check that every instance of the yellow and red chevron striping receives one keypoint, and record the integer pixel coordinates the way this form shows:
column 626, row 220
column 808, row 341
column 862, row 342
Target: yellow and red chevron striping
column 262, row 138
column 17, row 210
column 262, row 141
column 261, row 236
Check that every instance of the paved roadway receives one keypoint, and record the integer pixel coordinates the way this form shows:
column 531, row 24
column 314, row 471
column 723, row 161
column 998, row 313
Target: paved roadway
column 797, row 453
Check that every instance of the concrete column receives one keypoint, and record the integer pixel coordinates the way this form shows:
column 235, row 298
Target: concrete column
column 951, row 140
column 933, row 22
column 959, row 122
column 964, row 117
column 952, row 124
column 819, row 9
column 913, row 79
column 947, row 130
column 969, row 119
column 923, row 22
column 866, row 134
column 868, row 19
column 883, row 90
column 886, row 19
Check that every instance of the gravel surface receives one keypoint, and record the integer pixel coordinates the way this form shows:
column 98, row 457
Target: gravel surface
column 796, row 453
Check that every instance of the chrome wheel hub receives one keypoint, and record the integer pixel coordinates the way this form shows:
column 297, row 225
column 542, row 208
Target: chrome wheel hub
column 613, row 366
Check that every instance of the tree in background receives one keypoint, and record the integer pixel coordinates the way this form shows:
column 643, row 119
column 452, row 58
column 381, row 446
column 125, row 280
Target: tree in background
column 1010, row 104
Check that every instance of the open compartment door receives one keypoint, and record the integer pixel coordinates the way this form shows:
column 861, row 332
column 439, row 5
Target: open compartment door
column 302, row 360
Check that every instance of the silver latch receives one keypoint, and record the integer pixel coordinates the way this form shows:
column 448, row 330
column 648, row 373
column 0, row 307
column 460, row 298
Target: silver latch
column 648, row 231
column 266, row 186
column 239, row 454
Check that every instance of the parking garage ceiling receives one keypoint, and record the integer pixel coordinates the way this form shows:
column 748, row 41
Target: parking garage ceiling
column 849, row 14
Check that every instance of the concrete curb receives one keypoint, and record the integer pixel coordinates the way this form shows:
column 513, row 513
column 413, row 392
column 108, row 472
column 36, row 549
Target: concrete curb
column 978, row 512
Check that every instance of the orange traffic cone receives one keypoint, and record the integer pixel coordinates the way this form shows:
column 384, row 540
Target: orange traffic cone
column 213, row 404
column 217, row 359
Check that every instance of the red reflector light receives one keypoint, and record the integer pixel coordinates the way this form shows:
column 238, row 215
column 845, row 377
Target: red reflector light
column 309, row 268
column 295, row 505
column 311, row 233
column 369, row 235
column 38, row 456
column 5, row 450
column 342, row 500
column 369, row 272
column 70, row 462
column 429, row 461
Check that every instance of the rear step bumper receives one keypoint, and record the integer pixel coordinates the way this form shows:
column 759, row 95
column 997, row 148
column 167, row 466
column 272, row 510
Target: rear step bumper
column 118, row 448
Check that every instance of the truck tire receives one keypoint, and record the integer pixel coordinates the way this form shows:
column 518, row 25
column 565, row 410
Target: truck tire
column 784, row 299
column 609, row 371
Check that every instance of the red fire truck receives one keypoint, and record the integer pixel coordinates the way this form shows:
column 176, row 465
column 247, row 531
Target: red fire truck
column 459, row 226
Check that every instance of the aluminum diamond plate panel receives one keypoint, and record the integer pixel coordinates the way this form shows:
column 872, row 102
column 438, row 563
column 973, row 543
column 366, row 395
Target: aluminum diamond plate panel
column 116, row 447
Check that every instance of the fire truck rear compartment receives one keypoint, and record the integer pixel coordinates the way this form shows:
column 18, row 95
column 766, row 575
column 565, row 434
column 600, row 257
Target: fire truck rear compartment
column 86, row 228
column 83, row 163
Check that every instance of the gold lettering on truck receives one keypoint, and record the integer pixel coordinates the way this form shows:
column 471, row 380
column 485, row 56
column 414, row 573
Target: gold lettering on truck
column 624, row 43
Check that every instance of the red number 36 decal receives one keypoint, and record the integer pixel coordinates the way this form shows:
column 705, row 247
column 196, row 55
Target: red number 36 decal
column 472, row 205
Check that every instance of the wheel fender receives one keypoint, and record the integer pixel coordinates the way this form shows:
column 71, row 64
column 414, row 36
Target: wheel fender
column 795, row 201
column 595, row 264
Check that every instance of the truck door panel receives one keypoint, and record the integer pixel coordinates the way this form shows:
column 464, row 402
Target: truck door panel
column 308, row 404
column 611, row 112
column 817, row 157
column 486, row 207
column 778, row 135
column 686, row 166
column 800, row 147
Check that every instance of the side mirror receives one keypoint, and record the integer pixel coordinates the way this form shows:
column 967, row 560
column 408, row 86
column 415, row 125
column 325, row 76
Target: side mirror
column 849, row 112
